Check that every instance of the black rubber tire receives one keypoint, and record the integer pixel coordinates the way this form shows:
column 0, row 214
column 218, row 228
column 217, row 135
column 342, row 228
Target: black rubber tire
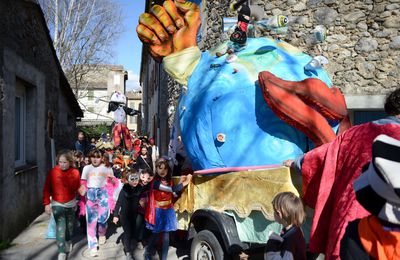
column 205, row 246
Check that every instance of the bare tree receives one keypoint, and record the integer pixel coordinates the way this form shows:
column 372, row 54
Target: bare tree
column 83, row 32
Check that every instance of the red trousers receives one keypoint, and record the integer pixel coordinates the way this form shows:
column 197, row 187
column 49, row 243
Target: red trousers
column 121, row 131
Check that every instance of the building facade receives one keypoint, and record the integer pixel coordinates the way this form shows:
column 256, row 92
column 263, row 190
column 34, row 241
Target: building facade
column 155, row 97
column 96, row 90
column 134, row 100
column 38, row 113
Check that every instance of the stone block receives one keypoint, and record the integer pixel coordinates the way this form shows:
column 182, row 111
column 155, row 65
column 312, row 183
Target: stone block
column 325, row 16
column 354, row 17
column 383, row 34
column 366, row 45
column 392, row 22
column 395, row 43
column 392, row 7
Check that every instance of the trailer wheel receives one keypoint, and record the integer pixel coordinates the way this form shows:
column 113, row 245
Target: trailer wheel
column 205, row 246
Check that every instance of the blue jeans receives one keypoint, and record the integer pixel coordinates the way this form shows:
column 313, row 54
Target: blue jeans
column 152, row 241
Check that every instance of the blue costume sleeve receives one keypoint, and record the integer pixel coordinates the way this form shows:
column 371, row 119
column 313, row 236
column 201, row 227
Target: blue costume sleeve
column 297, row 163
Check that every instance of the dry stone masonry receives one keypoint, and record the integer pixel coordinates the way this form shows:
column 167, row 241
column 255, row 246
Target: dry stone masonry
column 362, row 40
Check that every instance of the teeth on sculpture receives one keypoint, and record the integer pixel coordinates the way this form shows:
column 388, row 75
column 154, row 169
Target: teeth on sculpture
column 183, row 108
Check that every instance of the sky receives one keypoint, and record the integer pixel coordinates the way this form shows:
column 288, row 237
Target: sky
column 128, row 48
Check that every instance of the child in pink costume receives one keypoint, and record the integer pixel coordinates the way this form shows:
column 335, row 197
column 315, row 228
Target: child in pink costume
column 95, row 177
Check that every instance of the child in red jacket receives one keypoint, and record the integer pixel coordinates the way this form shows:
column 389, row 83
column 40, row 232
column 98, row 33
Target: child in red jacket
column 62, row 184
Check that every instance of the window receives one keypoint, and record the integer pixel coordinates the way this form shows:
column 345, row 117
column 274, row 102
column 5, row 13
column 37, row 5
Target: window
column 117, row 79
column 19, row 125
column 25, row 124
column 132, row 104
column 365, row 116
column 133, row 119
column 90, row 94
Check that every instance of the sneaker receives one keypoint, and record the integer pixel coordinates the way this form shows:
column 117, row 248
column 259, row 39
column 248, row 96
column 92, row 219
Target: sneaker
column 62, row 256
column 68, row 246
column 102, row 240
column 93, row 252
column 140, row 245
column 129, row 256
column 146, row 255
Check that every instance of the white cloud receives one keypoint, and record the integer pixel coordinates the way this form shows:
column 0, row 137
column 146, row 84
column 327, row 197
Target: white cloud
column 133, row 81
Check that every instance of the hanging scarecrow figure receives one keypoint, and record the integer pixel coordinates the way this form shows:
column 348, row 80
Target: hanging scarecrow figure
column 120, row 131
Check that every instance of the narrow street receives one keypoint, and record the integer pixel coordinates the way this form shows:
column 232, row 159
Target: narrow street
column 31, row 244
column 263, row 129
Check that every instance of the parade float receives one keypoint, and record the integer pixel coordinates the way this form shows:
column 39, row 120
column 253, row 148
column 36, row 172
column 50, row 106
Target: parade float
column 245, row 107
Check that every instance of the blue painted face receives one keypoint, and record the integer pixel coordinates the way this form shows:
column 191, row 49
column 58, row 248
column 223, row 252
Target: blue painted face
column 224, row 119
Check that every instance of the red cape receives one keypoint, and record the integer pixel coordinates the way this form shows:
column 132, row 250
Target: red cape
column 328, row 174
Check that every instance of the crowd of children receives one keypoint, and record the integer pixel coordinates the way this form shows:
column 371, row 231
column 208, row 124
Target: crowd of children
column 144, row 204
column 113, row 181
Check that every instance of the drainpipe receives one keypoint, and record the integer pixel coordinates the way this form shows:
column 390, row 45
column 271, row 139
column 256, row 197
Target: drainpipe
column 144, row 101
column 159, row 108
column 125, row 73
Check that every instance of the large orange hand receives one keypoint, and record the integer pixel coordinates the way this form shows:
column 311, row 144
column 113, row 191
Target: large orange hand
column 169, row 28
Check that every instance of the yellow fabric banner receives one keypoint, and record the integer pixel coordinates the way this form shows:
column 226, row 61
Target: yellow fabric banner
column 241, row 192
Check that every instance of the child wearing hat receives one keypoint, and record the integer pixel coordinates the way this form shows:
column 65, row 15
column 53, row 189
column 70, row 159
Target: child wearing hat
column 378, row 190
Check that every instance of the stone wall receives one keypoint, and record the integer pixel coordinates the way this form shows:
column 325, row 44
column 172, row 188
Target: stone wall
column 362, row 42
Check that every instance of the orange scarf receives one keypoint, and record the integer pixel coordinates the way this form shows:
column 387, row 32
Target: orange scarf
column 377, row 242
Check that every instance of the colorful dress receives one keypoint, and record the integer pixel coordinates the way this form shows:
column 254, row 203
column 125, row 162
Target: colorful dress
column 160, row 214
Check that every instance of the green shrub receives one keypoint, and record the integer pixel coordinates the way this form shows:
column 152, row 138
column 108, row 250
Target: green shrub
column 4, row 244
column 95, row 131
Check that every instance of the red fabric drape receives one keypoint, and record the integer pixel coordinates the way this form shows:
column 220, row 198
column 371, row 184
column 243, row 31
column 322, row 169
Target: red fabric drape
column 328, row 175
